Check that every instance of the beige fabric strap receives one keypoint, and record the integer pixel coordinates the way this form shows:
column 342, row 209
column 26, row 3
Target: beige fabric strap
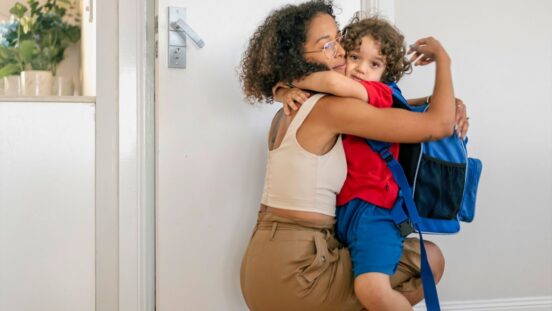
column 301, row 115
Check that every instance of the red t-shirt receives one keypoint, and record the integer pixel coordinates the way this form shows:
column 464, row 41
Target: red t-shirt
column 368, row 177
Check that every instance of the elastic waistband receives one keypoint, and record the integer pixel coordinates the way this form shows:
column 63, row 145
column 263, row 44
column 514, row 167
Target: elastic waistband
column 270, row 225
column 269, row 222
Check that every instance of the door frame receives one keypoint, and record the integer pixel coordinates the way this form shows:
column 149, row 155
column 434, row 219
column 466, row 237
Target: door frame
column 125, row 156
column 384, row 8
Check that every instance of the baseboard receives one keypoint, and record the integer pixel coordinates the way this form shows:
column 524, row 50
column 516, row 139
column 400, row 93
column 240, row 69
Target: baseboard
column 507, row 304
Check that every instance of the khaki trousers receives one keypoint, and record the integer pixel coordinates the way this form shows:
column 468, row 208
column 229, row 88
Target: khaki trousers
column 296, row 266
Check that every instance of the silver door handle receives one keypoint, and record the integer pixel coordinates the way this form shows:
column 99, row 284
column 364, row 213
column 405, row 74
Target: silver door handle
column 178, row 31
column 184, row 29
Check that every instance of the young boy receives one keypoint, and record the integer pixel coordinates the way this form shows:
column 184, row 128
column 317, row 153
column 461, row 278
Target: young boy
column 375, row 52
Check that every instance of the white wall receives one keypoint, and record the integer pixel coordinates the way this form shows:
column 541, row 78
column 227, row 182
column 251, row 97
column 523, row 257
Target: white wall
column 502, row 63
column 5, row 7
column 47, row 206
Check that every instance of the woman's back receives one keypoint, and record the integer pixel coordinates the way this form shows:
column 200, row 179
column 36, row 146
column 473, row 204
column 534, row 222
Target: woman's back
column 297, row 179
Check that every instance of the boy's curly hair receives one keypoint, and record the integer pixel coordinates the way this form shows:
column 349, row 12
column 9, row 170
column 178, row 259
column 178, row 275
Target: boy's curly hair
column 276, row 50
column 392, row 44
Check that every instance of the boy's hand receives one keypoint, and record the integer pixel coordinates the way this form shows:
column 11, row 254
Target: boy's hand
column 462, row 120
column 427, row 50
column 291, row 98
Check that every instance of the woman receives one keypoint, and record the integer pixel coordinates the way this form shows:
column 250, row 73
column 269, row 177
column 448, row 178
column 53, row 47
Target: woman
column 293, row 261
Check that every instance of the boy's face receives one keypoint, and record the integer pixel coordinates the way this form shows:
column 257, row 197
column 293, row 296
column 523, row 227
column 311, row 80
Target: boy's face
column 366, row 63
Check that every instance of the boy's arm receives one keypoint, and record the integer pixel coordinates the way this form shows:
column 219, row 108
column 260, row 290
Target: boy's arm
column 428, row 50
column 333, row 83
column 290, row 98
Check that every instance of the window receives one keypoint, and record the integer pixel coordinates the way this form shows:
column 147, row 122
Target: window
column 47, row 48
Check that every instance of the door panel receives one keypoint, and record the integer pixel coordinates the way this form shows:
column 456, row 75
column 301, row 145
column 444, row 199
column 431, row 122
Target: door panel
column 211, row 155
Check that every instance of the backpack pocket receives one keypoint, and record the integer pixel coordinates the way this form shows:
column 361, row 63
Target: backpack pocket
column 439, row 186
column 467, row 212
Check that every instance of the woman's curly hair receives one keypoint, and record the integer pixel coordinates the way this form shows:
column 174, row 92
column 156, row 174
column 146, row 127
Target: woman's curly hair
column 392, row 44
column 276, row 49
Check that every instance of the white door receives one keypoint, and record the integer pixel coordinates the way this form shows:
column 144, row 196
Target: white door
column 211, row 153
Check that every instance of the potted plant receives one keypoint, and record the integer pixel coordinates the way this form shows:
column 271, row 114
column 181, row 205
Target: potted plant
column 9, row 64
column 42, row 33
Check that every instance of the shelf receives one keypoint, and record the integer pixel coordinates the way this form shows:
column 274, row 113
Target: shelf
column 58, row 99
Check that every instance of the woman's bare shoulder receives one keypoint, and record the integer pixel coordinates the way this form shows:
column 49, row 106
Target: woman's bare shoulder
column 275, row 128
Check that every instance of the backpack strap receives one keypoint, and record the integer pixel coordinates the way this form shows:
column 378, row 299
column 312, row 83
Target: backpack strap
column 405, row 198
column 382, row 149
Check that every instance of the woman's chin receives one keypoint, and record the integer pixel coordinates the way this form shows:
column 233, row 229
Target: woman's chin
column 340, row 69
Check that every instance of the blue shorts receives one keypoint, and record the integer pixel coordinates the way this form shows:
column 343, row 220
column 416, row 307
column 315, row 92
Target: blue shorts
column 372, row 237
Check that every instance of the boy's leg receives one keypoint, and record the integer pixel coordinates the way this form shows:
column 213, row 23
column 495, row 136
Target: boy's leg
column 407, row 279
column 376, row 247
column 374, row 291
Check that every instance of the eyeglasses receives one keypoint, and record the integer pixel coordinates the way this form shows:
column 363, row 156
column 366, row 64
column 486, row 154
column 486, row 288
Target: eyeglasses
column 329, row 48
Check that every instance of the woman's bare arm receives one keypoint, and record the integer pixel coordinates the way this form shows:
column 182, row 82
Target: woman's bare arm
column 352, row 116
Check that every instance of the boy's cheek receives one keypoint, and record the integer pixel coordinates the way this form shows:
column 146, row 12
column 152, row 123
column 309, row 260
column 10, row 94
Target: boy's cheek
column 348, row 69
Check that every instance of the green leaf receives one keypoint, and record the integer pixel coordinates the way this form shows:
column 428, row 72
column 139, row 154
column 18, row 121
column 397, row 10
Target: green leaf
column 35, row 9
column 18, row 10
column 5, row 54
column 9, row 69
column 73, row 33
column 26, row 51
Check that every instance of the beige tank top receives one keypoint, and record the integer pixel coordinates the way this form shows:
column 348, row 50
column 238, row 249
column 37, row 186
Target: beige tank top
column 302, row 181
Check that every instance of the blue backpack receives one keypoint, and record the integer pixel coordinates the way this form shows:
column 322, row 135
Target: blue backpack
column 437, row 188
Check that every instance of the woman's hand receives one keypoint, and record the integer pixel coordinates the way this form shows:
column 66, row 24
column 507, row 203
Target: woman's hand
column 291, row 98
column 462, row 120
